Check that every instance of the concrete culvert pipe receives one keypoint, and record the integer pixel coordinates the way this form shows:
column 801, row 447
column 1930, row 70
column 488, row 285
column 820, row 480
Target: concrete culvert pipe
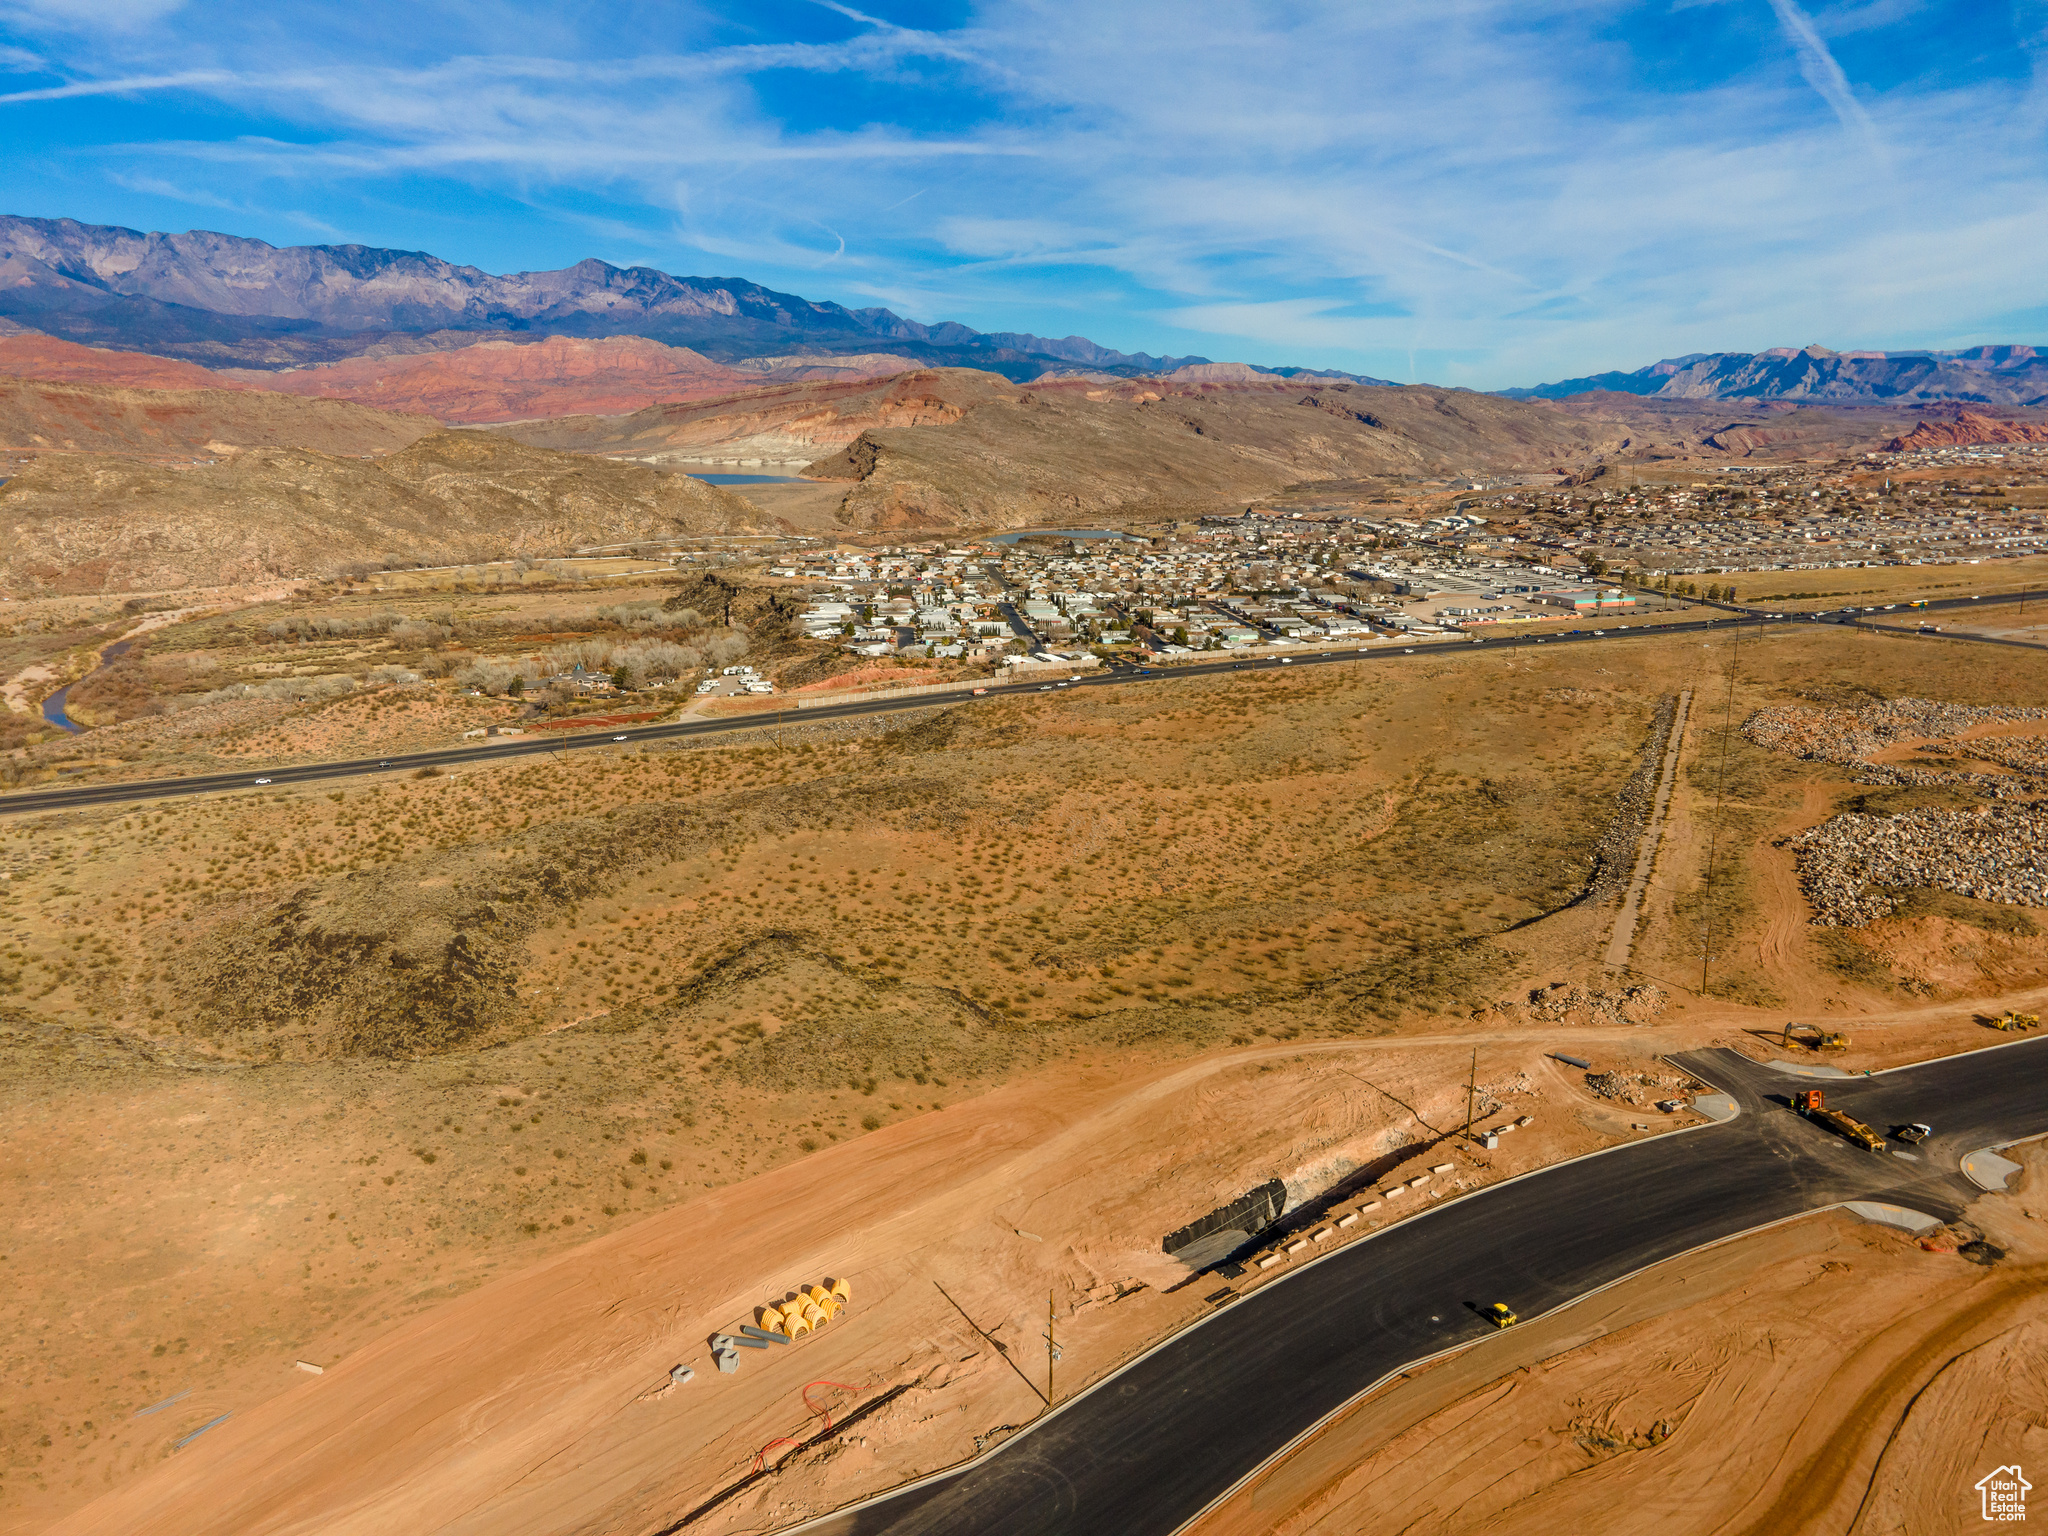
column 840, row 1289
column 796, row 1325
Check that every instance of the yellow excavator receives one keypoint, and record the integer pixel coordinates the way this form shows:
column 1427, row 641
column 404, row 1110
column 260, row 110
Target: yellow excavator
column 2012, row 1019
column 1813, row 1037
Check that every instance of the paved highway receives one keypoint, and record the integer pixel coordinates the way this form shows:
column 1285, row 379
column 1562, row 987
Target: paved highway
column 497, row 749
column 1150, row 1448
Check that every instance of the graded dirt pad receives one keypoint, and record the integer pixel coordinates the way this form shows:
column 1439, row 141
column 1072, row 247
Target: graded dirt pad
column 982, row 995
column 98, row 524
column 1825, row 1376
column 538, row 1399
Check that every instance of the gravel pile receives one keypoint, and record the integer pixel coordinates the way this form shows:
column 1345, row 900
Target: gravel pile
column 1997, row 854
column 2022, row 754
column 1855, row 735
column 1614, row 856
column 1632, row 1005
column 1992, row 786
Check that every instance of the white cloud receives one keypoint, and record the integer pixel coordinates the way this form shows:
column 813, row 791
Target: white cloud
column 1487, row 183
column 90, row 15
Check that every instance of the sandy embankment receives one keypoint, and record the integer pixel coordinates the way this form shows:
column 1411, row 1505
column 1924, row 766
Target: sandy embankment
column 526, row 1406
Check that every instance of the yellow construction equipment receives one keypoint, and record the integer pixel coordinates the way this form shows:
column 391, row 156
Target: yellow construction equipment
column 2010, row 1019
column 1812, row 1103
column 1813, row 1037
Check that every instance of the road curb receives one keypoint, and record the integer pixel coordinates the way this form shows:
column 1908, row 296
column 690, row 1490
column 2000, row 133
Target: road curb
column 957, row 1468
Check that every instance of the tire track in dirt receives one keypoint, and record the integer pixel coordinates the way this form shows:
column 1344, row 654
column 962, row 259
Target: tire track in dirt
column 1778, row 949
column 1847, row 1459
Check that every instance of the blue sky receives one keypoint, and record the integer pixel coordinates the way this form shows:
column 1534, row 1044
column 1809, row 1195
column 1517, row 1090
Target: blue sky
column 1467, row 191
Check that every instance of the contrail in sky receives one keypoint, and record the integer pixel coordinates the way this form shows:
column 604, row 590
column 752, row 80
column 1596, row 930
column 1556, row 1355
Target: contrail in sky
column 1826, row 76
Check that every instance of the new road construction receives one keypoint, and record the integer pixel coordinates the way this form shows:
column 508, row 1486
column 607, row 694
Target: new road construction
column 1148, row 1449
column 118, row 793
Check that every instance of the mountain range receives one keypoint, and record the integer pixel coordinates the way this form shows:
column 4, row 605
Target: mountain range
column 225, row 301
column 1991, row 375
column 258, row 314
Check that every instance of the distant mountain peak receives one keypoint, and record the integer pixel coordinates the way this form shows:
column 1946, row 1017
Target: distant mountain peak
column 2002, row 375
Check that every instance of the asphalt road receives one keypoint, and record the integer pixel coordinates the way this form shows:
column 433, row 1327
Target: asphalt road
column 1147, row 1450
column 498, row 749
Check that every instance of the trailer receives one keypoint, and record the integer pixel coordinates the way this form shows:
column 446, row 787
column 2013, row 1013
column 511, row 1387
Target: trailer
column 1812, row 1103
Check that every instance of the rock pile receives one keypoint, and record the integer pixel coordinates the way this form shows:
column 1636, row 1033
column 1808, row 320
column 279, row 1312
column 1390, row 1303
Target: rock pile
column 1854, row 736
column 2022, row 754
column 1632, row 1005
column 1614, row 857
column 1633, row 1087
column 1847, row 863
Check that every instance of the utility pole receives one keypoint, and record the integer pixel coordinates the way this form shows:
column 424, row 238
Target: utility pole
column 1471, row 1091
column 1052, row 1351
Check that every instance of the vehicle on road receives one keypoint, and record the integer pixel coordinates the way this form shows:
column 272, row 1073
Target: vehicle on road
column 1286, row 661
column 1045, row 687
column 1499, row 1315
column 618, row 738
column 1912, row 1134
column 1813, row 1104
column 263, row 781
column 979, row 692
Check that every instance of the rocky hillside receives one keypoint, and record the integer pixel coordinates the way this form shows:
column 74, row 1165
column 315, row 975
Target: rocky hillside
column 785, row 426
column 507, row 381
column 32, row 355
column 1019, row 457
column 947, row 447
column 90, row 523
column 1965, row 428
column 40, row 417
